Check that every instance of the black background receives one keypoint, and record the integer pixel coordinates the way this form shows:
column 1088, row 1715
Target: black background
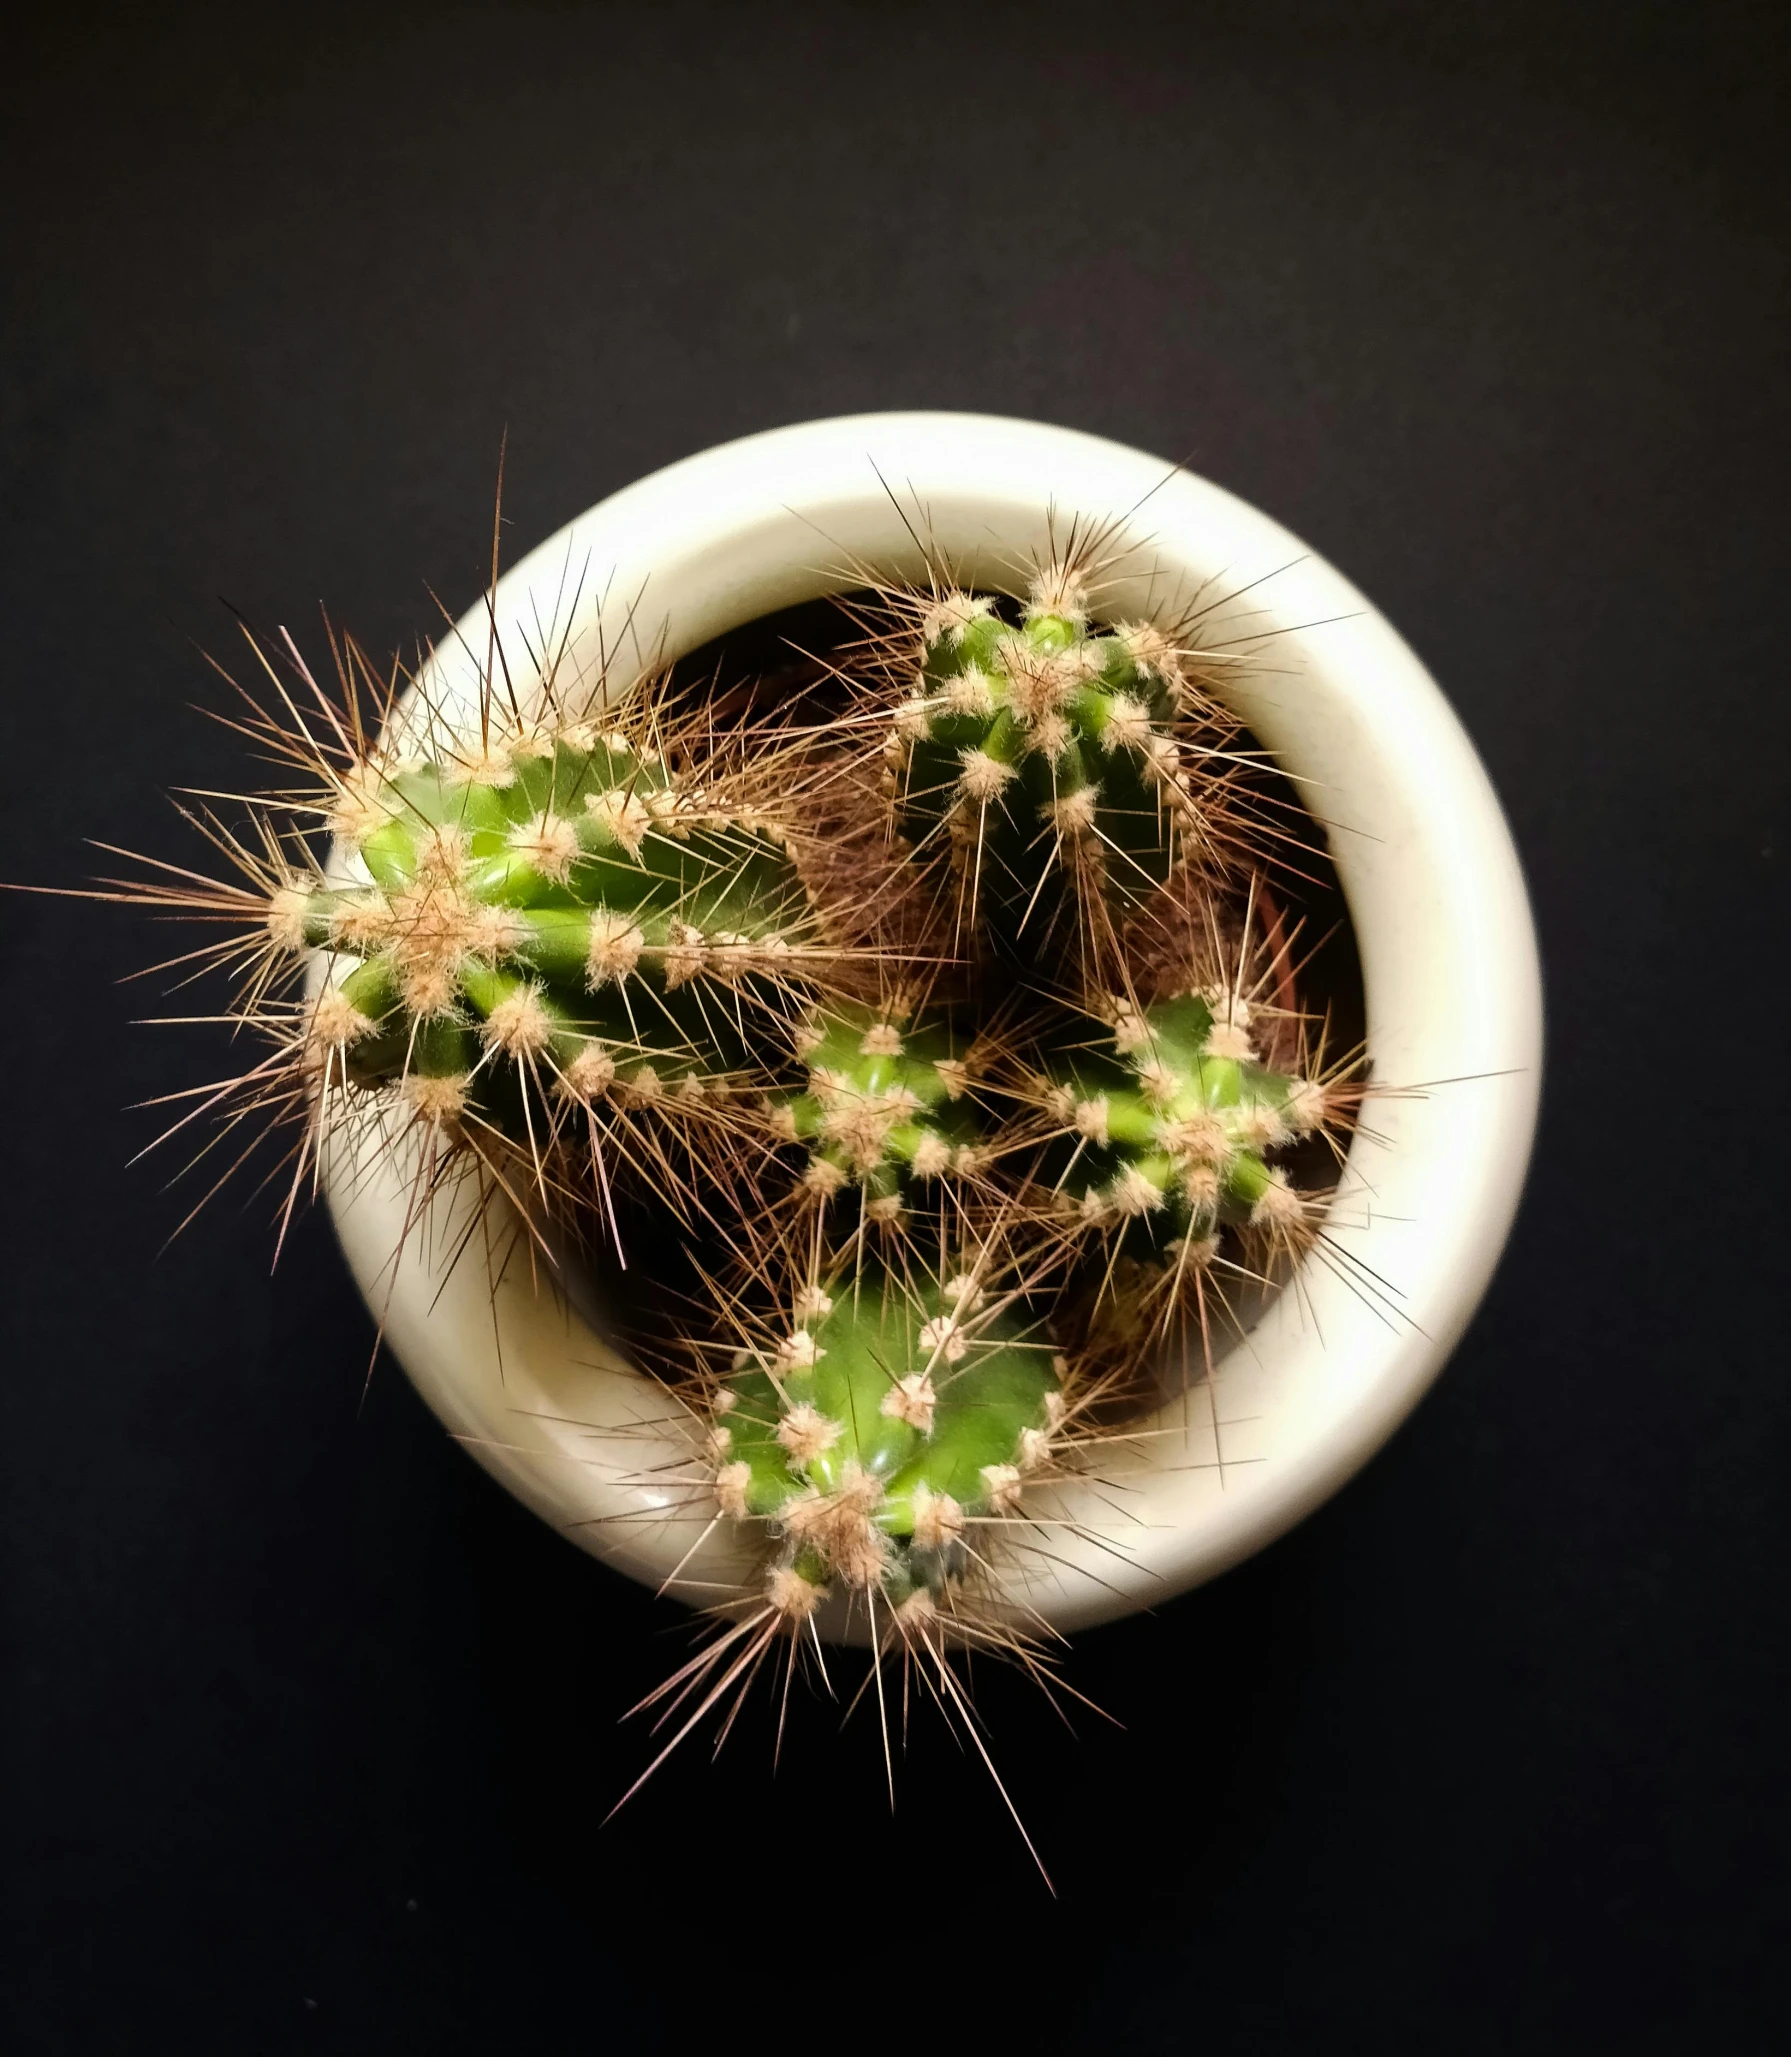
column 310, row 1730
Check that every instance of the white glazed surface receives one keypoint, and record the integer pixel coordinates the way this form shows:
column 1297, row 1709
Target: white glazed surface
column 1425, row 859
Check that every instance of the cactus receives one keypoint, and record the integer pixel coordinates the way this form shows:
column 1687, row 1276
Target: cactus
column 888, row 1107
column 881, row 1443
column 1171, row 1129
column 543, row 936
column 871, row 1437
column 545, row 925
column 1063, row 769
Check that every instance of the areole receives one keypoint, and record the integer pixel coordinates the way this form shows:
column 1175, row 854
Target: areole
column 1421, row 849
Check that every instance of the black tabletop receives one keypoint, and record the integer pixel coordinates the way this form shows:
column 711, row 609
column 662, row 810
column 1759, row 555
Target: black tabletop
column 311, row 1730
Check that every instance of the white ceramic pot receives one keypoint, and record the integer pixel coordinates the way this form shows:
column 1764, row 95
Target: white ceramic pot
column 1425, row 859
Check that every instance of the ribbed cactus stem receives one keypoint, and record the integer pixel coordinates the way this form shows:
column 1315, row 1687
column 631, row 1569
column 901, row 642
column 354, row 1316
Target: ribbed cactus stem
column 1048, row 758
column 1165, row 1139
column 549, row 916
column 872, row 1439
column 887, row 1107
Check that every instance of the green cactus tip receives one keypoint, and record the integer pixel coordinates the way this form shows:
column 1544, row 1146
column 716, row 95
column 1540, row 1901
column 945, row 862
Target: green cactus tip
column 1163, row 1141
column 879, row 1438
column 889, row 1107
column 1061, row 767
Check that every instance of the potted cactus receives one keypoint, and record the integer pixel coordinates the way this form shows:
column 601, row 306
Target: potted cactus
column 933, row 1023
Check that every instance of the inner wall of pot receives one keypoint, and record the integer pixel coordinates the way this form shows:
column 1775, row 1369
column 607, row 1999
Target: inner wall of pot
column 792, row 648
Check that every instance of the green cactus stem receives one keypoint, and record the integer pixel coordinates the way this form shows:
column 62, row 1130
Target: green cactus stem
column 876, row 1434
column 1164, row 1139
column 888, row 1107
column 550, row 921
column 1059, row 765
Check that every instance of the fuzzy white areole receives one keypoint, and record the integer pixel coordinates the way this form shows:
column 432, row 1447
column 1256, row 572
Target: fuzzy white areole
column 1426, row 863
